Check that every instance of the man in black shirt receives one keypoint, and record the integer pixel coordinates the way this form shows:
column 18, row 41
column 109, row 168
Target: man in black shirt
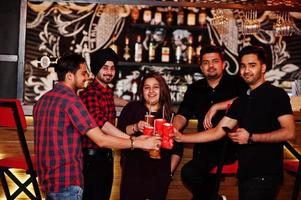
column 210, row 96
column 264, row 117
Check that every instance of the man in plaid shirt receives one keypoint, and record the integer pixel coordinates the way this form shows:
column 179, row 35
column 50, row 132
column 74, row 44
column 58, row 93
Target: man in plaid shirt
column 99, row 100
column 60, row 119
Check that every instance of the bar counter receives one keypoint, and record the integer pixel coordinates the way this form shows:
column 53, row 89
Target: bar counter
column 9, row 146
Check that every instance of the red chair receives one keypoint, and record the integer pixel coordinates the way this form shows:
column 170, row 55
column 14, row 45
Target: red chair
column 294, row 167
column 228, row 169
column 12, row 116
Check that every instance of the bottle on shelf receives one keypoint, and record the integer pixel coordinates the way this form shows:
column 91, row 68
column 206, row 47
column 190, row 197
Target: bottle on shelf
column 169, row 16
column 165, row 52
column 134, row 89
column 138, row 50
column 135, row 14
column 202, row 18
column 157, row 17
column 151, row 50
column 147, row 15
column 191, row 18
column 190, row 50
column 198, row 49
column 180, row 17
column 178, row 53
column 127, row 54
column 113, row 46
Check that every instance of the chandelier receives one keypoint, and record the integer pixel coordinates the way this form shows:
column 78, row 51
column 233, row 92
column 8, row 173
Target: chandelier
column 220, row 21
column 283, row 25
column 250, row 25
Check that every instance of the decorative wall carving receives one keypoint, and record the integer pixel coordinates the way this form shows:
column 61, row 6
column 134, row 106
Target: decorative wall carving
column 57, row 28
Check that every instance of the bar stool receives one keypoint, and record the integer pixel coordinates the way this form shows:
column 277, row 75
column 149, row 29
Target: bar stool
column 12, row 118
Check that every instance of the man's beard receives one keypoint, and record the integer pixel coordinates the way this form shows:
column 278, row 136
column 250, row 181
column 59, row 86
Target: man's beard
column 106, row 80
column 213, row 76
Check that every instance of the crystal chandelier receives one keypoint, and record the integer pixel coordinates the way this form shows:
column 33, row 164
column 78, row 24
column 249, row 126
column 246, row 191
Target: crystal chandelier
column 283, row 25
column 250, row 25
column 220, row 21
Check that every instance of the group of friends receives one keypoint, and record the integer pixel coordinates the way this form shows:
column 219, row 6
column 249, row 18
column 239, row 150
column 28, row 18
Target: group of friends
column 74, row 130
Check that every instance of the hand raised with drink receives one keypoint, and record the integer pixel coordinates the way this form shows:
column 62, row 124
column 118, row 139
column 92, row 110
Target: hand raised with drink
column 140, row 125
column 178, row 136
column 148, row 142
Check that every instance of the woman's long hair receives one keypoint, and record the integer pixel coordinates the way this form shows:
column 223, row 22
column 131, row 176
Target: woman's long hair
column 164, row 99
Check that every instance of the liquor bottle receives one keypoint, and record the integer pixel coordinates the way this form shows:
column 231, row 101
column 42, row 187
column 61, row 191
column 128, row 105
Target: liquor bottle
column 190, row 50
column 157, row 17
column 198, row 49
column 165, row 52
column 127, row 54
column 147, row 15
column 113, row 46
column 191, row 18
column 135, row 14
column 202, row 18
column 134, row 89
column 180, row 17
column 169, row 16
column 178, row 53
column 151, row 50
column 138, row 50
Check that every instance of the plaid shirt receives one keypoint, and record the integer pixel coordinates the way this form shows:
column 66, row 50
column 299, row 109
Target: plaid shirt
column 100, row 103
column 60, row 118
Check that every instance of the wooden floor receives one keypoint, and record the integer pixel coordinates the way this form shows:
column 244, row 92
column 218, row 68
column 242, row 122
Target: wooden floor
column 10, row 146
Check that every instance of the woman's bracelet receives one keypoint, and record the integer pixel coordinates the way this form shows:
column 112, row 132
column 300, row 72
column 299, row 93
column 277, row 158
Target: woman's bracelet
column 132, row 143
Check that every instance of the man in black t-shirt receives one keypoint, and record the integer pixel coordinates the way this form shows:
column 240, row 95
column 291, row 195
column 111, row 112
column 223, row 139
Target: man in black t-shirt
column 206, row 100
column 264, row 117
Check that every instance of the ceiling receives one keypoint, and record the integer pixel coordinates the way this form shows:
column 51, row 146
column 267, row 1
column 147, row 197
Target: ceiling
column 280, row 5
column 263, row 3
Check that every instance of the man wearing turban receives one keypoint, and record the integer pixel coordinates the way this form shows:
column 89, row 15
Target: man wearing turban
column 99, row 100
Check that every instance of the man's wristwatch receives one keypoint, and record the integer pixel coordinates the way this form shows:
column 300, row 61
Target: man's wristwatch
column 250, row 141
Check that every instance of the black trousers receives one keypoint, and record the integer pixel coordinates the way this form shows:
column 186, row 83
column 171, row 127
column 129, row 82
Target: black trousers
column 259, row 188
column 98, row 174
column 196, row 177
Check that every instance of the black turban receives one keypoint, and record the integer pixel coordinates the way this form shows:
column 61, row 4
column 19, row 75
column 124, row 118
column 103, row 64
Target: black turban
column 100, row 57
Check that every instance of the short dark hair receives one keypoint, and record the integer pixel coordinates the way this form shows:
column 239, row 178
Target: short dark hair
column 68, row 63
column 212, row 49
column 259, row 51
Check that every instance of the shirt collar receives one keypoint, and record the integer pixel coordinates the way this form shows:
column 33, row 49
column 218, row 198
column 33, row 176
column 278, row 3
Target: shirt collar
column 219, row 83
column 258, row 89
column 62, row 86
column 101, row 87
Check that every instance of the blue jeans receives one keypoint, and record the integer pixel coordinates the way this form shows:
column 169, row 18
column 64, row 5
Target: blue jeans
column 69, row 193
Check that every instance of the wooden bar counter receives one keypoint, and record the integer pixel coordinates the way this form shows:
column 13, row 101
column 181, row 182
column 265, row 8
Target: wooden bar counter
column 9, row 146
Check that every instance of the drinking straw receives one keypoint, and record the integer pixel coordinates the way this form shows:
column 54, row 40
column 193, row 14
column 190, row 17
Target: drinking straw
column 150, row 107
column 172, row 115
column 147, row 118
column 163, row 111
